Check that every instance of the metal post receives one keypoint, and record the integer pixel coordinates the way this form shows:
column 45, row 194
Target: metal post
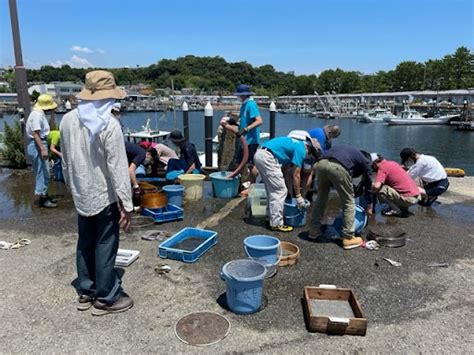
column 20, row 71
column 185, row 120
column 272, row 119
column 208, row 113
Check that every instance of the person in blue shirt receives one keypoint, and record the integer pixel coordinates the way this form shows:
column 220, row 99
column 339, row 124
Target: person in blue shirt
column 269, row 160
column 325, row 135
column 249, row 127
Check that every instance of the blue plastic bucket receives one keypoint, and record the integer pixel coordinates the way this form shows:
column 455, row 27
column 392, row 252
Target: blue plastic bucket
column 244, row 285
column 360, row 221
column 293, row 215
column 224, row 187
column 264, row 248
column 174, row 194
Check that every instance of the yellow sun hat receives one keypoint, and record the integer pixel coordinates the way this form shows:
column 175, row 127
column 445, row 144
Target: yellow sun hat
column 45, row 102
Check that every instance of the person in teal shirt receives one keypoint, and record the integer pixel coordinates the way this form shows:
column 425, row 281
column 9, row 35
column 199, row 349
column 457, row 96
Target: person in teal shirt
column 269, row 160
column 249, row 127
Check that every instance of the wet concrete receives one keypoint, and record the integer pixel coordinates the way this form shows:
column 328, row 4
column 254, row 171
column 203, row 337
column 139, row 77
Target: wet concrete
column 411, row 308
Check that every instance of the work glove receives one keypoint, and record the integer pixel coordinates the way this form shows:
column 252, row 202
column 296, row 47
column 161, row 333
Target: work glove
column 241, row 133
column 300, row 202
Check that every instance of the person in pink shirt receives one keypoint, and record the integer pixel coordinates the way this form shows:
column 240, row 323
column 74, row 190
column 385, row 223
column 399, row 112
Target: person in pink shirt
column 393, row 186
column 157, row 156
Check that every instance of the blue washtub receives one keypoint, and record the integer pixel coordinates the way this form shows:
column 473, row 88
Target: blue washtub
column 293, row 215
column 244, row 285
column 264, row 248
column 360, row 221
column 174, row 194
column 224, row 187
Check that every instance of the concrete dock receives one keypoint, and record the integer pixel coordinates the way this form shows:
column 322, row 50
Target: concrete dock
column 412, row 308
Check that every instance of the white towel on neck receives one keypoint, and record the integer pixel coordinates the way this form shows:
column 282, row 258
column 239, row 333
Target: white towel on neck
column 95, row 115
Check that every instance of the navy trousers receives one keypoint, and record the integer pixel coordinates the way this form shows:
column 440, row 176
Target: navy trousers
column 96, row 251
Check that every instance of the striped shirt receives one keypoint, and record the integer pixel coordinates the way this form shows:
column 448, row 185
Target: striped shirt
column 95, row 172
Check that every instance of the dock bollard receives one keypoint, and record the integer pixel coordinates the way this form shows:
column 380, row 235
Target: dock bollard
column 272, row 119
column 208, row 113
column 186, row 120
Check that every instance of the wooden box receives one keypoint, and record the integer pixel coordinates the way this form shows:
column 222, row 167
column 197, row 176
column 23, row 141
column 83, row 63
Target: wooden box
column 322, row 315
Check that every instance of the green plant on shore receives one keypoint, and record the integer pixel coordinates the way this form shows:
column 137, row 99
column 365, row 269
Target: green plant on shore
column 13, row 146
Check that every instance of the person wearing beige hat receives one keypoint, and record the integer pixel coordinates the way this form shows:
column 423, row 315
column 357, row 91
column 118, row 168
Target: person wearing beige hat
column 95, row 169
column 37, row 129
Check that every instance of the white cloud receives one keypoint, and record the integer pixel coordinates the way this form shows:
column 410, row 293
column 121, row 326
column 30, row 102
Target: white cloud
column 81, row 49
column 75, row 61
column 100, row 50
column 58, row 63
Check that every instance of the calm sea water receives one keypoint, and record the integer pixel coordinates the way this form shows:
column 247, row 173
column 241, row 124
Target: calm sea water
column 453, row 148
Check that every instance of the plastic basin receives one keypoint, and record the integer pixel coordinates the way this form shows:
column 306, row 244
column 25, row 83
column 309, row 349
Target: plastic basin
column 175, row 194
column 360, row 221
column 224, row 187
column 293, row 215
column 193, row 184
column 244, row 285
column 264, row 248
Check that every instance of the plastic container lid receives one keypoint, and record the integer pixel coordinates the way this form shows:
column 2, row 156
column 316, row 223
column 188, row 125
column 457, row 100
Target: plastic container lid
column 244, row 270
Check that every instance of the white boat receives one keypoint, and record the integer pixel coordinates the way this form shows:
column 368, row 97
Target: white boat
column 412, row 117
column 378, row 115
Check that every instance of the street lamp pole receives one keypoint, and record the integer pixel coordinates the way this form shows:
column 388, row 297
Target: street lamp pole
column 20, row 70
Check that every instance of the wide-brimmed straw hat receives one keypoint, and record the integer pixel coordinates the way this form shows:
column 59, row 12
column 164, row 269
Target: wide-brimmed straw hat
column 45, row 102
column 100, row 85
column 243, row 90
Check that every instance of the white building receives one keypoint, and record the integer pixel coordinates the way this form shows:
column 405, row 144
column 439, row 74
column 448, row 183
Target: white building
column 60, row 91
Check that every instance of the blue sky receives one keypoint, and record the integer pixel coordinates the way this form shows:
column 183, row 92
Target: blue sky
column 305, row 36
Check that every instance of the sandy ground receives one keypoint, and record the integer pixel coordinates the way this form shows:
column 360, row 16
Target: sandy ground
column 412, row 308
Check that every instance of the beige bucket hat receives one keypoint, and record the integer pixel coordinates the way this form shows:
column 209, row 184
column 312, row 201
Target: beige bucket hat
column 45, row 102
column 100, row 85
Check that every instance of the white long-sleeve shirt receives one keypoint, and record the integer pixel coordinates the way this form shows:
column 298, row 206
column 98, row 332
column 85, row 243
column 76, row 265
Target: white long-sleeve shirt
column 96, row 172
column 428, row 168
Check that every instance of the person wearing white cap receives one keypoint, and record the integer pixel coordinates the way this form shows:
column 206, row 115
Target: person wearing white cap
column 37, row 129
column 96, row 171
column 277, row 152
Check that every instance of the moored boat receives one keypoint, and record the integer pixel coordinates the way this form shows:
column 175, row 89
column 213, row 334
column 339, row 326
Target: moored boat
column 412, row 117
column 378, row 115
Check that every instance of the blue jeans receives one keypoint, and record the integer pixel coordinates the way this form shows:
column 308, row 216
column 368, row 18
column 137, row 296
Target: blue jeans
column 58, row 170
column 40, row 167
column 95, row 256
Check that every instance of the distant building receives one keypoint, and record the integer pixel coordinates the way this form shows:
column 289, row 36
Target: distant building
column 9, row 98
column 60, row 91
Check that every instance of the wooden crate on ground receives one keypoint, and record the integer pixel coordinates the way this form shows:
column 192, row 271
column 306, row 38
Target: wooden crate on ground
column 333, row 310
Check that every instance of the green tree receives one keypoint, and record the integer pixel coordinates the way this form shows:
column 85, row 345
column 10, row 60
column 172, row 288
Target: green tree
column 13, row 150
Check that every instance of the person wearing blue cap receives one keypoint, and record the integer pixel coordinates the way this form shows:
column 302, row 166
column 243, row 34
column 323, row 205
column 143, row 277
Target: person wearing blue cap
column 249, row 126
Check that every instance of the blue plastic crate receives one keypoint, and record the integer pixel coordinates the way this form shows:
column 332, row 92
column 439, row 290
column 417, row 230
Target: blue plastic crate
column 165, row 214
column 170, row 248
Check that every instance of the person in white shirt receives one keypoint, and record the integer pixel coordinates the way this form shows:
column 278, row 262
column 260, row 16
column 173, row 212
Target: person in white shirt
column 429, row 170
column 95, row 169
column 37, row 129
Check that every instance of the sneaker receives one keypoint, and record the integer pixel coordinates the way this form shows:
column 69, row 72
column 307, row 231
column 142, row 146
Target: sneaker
column 47, row 203
column 124, row 303
column 351, row 243
column 85, row 302
column 281, row 228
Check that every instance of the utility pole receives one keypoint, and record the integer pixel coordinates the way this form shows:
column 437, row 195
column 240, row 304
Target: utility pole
column 20, row 71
